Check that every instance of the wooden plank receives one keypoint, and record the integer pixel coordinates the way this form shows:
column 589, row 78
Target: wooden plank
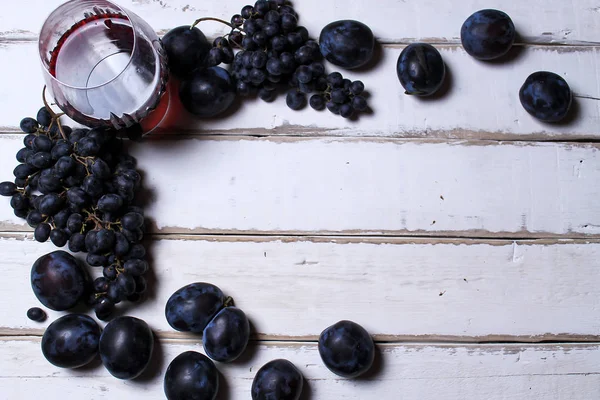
column 493, row 372
column 361, row 187
column 391, row 20
column 397, row 289
column 481, row 103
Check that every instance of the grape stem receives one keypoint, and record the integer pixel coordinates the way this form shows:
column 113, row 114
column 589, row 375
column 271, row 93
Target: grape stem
column 55, row 116
column 212, row 19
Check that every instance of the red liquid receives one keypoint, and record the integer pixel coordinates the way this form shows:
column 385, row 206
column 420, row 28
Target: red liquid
column 91, row 53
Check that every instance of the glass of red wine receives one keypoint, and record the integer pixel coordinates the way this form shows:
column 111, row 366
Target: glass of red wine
column 104, row 65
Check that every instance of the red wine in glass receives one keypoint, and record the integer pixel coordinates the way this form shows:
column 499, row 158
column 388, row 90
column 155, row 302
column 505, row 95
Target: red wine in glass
column 104, row 66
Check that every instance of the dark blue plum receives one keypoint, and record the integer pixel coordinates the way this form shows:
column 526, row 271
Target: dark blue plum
column 191, row 376
column 58, row 281
column 186, row 49
column 546, row 96
column 347, row 349
column 347, row 43
column 421, row 69
column 192, row 307
column 487, row 34
column 277, row 379
column 226, row 336
column 126, row 346
column 207, row 92
column 71, row 341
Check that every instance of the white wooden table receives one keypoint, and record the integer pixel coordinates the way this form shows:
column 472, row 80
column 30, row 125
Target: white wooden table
column 460, row 232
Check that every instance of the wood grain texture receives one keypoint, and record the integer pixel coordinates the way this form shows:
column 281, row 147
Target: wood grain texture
column 481, row 101
column 397, row 289
column 391, row 20
column 491, row 372
column 361, row 186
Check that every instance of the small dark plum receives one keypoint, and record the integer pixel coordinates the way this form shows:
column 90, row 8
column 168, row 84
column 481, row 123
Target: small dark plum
column 347, row 349
column 58, row 280
column 487, row 34
column 347, row 43
column 208, row 92
column 278, row 379
column 192, row 307
column 126, row 346
column 186, row 48
column 546, row 96
column 191, row 376
column 36, row 314
column 421, row 69
column 71, row 341
column 226, row 336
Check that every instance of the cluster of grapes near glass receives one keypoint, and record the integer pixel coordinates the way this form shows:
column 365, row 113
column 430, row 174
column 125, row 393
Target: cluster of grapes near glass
column 76, row 188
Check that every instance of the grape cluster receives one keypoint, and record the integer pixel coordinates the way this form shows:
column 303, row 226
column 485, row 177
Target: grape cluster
column 276, row 50
column 76, row 188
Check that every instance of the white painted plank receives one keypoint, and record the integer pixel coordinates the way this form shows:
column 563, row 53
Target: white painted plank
column 491, row 372
column 482, row 101
column 390, row 20
column 361, row 186
column 397, row 289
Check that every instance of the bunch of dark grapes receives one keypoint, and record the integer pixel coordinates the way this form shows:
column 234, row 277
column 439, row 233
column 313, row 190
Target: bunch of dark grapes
column 276, row 50
column 76, row 188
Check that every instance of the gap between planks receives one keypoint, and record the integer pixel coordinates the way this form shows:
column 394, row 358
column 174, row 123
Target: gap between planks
column 7, row 334
column 333, row 237
column 530, row 41
column 288, row 132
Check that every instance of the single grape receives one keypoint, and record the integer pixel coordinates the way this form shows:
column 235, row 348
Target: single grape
column 357, row 87
column 339, row 96
column 59, row 237
column 36, row 314
column 77, row 242
column 43, row 117
column 295, row 99
column 237, row 20
column 7, row 188
column 346, row 110
column 41, row 143
column 42, row 232
column 126, row 283
column 34, row 218
column 23, row 154
column 266, row 95
column 359, row 103
column 29, row 125
column 103, row 308
column 317, row 101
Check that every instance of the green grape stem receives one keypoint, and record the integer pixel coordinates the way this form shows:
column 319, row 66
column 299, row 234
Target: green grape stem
column 211, row 19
